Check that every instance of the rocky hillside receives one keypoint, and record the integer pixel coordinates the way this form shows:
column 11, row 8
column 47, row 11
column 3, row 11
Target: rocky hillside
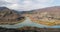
column 52, row 11
column 49, row 10
column 48, row 16
column 9, row 16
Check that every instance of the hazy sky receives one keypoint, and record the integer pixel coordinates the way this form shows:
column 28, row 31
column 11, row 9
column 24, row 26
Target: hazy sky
column 28, row 4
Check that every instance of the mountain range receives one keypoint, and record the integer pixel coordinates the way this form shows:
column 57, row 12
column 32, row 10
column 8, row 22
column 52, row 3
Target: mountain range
column 49, row 14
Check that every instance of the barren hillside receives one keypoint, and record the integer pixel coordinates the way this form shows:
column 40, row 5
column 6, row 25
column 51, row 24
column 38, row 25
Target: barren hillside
column 48, row 16
column 8, row 16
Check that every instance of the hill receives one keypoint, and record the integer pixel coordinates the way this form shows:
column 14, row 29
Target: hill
column 47, row 16
column 8, row 16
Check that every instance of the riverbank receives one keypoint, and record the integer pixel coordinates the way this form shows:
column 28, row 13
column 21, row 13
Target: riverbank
column 29, row 29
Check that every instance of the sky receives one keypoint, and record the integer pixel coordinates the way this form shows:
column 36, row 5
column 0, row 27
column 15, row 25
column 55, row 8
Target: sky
column 27, row 5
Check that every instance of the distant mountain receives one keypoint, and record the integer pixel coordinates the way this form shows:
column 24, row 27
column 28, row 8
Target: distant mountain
column 2, row 8
column 51, row 10
column 7, row 9
column 7, row 12
column 48, row 9
column 55, row 8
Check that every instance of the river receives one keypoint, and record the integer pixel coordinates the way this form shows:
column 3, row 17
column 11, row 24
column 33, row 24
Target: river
column 28, row 22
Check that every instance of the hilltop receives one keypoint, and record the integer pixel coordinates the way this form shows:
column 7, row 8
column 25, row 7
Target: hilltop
column 8, row 16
